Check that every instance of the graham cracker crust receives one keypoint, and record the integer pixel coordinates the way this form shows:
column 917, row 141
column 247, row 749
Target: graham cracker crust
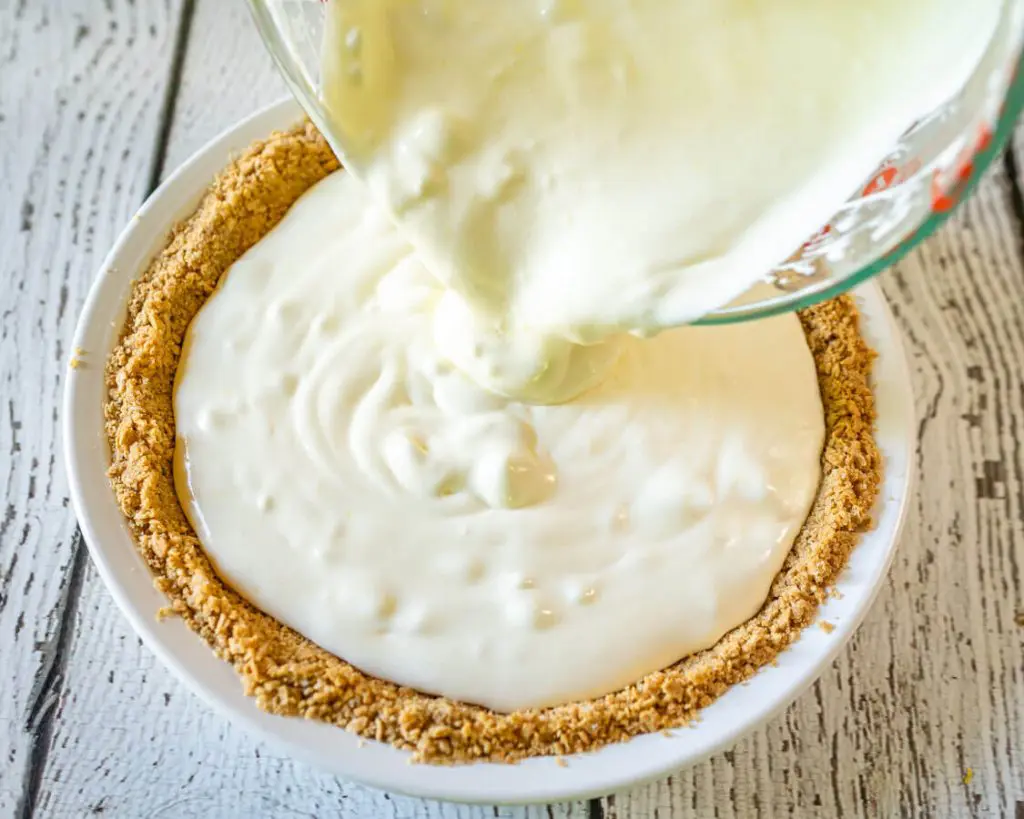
column 289, row 675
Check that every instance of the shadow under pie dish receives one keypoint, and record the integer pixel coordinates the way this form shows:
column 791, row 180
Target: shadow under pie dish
column 288, row 674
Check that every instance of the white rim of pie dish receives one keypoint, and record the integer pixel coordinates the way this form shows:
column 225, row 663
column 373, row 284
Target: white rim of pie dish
column 616, row 767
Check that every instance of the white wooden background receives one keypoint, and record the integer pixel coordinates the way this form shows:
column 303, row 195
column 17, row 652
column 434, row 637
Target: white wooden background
column 923, row 714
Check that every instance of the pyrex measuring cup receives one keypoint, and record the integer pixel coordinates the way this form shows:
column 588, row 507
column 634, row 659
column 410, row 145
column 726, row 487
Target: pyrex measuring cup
column 924, row 178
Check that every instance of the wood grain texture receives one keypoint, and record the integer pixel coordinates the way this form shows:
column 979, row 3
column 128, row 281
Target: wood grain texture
column 81, row 91
column 930, row 687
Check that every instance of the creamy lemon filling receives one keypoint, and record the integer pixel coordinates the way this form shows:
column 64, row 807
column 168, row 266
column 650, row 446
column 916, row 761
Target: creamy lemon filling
column 351, row 482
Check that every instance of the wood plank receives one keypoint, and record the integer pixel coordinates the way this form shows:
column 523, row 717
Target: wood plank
column 932, row 684
column 80, row 102
column 129, row 739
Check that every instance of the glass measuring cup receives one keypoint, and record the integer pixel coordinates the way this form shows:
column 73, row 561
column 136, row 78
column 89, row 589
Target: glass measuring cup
column 914, row 190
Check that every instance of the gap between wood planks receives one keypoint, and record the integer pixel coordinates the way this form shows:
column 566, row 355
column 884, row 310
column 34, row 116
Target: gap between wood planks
column 49, row 690
column 1016, row 205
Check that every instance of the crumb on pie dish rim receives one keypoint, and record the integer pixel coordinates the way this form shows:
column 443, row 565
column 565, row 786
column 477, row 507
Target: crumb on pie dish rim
column 546, row 778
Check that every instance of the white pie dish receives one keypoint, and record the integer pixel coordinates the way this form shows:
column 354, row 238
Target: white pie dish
column 540, row 780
